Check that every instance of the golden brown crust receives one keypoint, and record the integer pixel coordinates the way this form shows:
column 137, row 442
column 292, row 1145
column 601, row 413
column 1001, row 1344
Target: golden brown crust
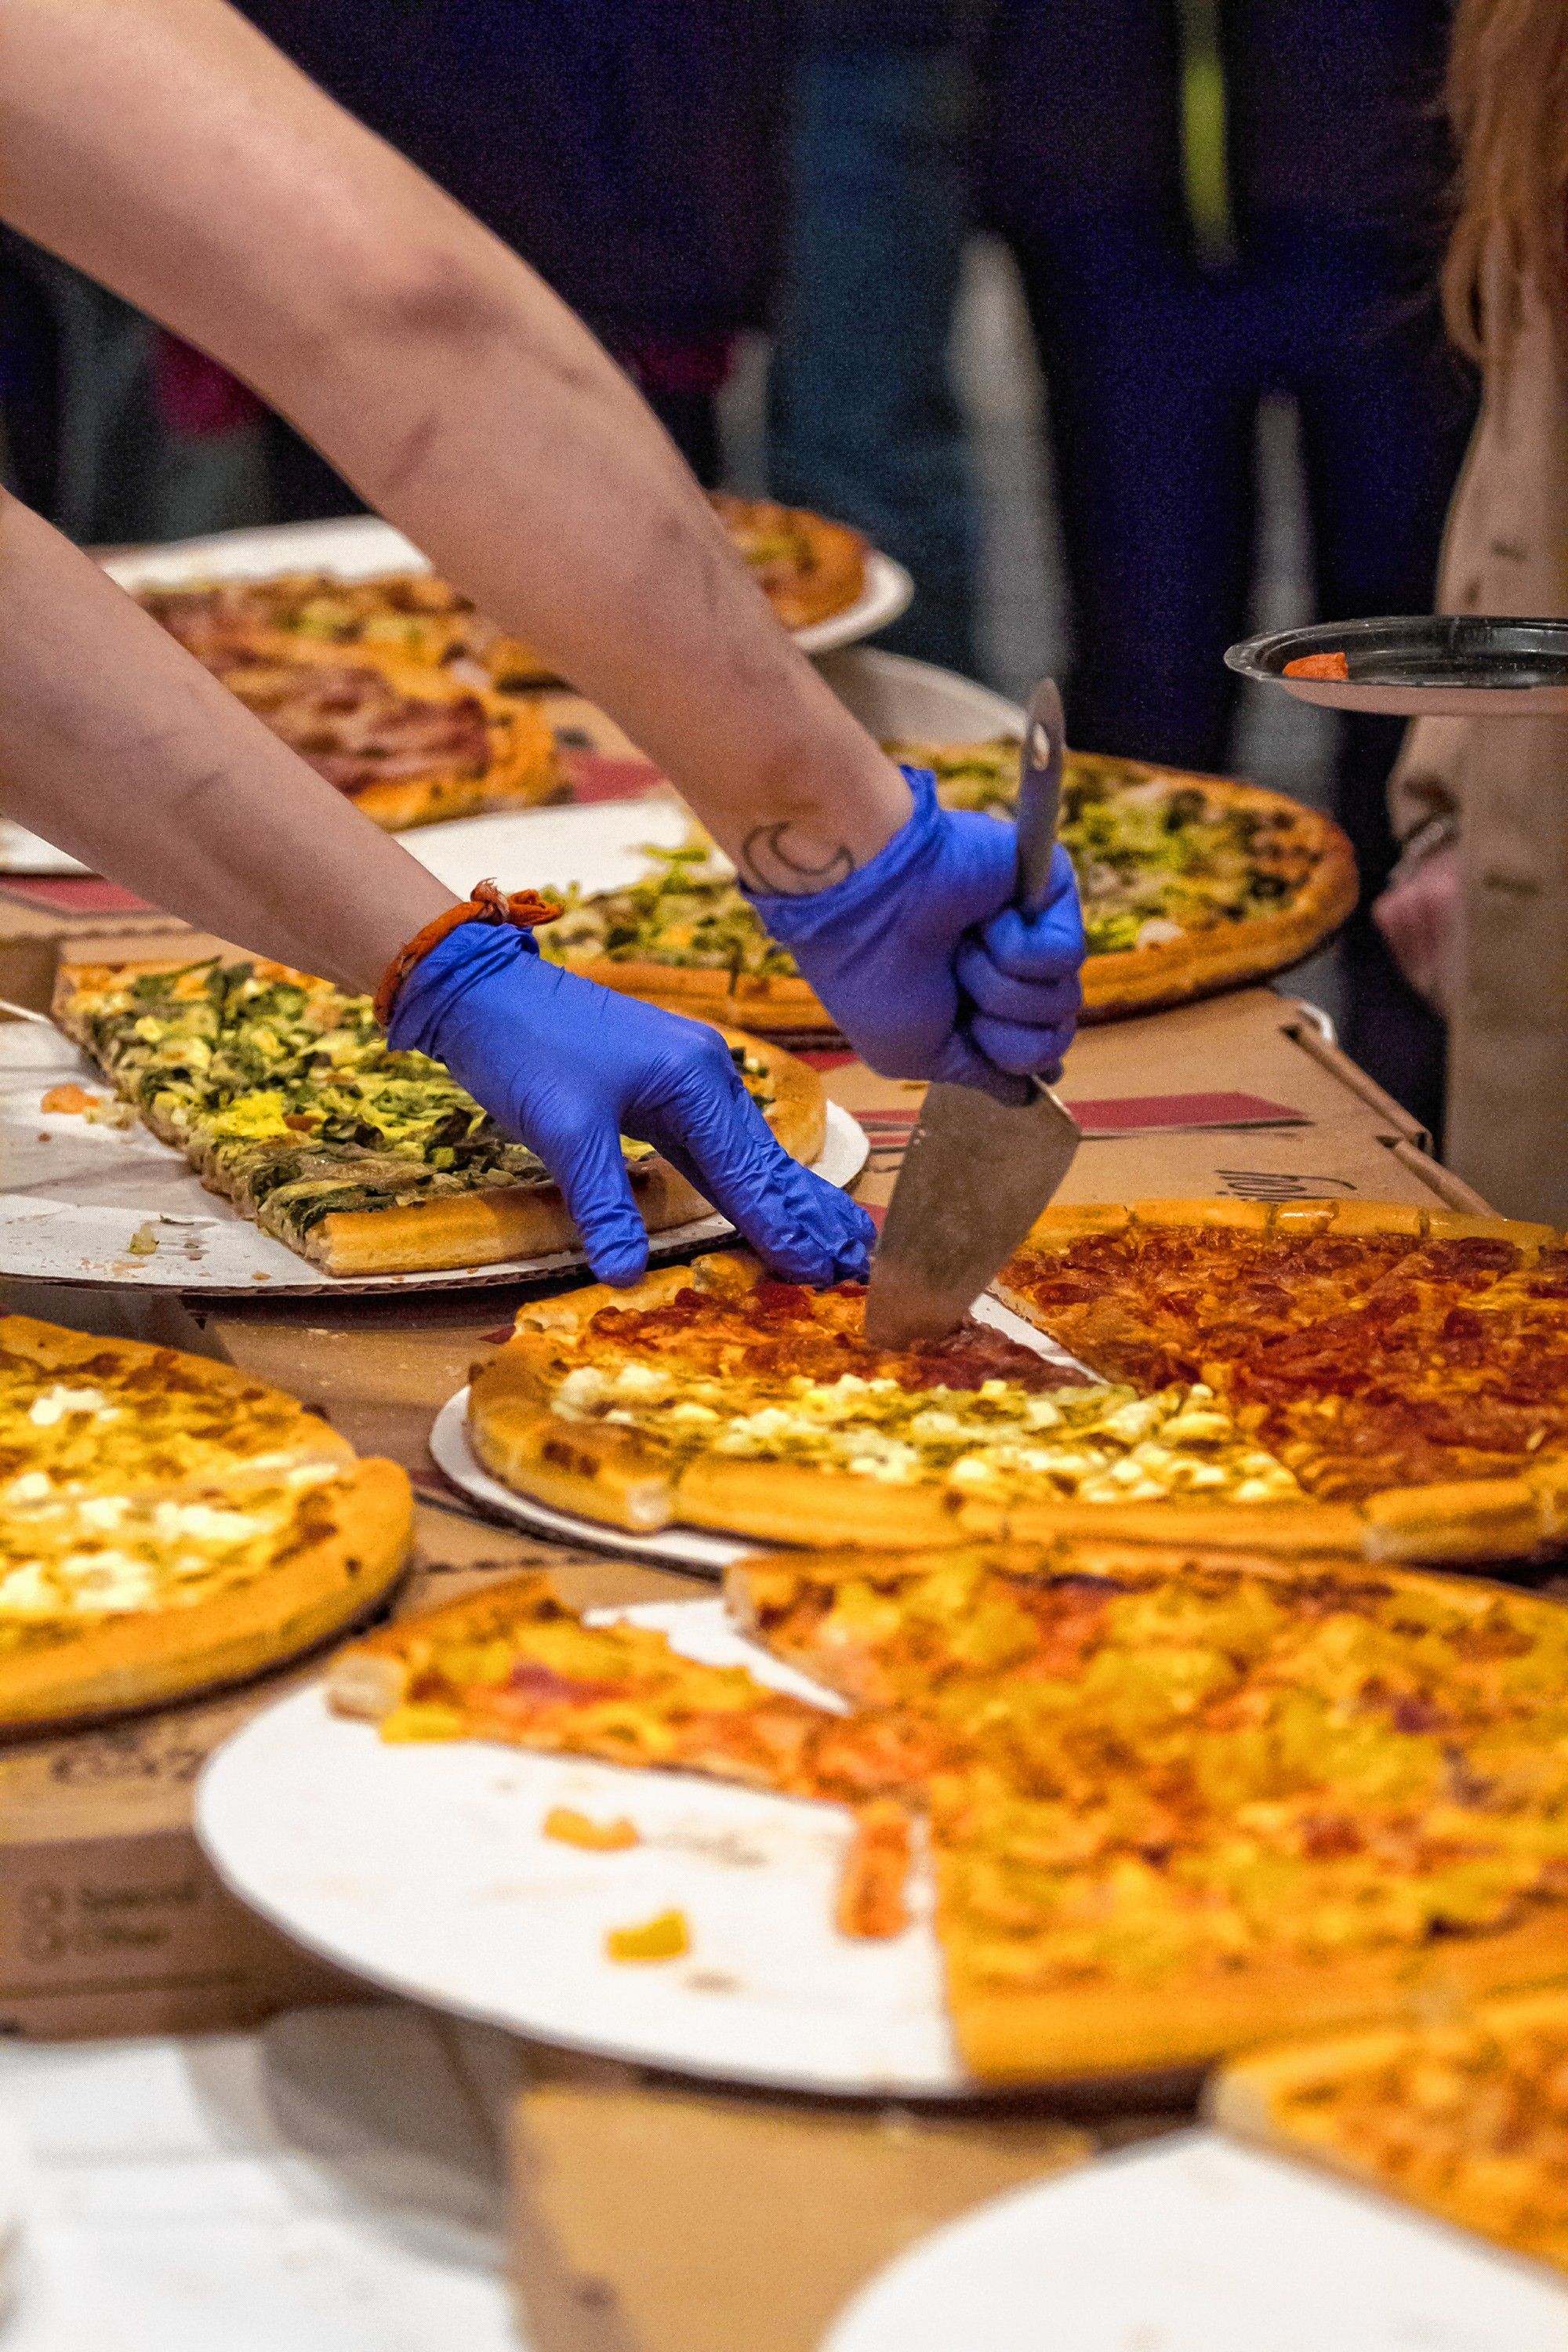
column 757, row 1001
column 832, row 576
column 1192, row 2020
column 154, row 1656
column 370, row 1677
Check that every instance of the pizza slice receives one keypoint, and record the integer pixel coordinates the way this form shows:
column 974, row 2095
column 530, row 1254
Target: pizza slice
column 168, row 1524
column 284, row 1094
column 1466, row 2118
column 512, row 1664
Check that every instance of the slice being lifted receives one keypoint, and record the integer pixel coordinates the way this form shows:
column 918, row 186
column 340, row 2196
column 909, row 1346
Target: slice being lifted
column 285, row 1096
column 1189, row 884
column 167, row 1524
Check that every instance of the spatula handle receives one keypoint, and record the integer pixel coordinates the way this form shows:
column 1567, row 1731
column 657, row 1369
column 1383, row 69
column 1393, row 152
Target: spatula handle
column 1039, row 795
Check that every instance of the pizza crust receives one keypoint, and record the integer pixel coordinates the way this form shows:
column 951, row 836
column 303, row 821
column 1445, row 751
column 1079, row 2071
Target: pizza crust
column 834, row 577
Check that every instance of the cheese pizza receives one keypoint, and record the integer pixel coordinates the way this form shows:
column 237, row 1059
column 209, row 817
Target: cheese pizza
column 1466, row 2116
column 285, row 1096
column 1189, row 884
column 167, row 1524
column 1175, row 1801
column 713, row 1397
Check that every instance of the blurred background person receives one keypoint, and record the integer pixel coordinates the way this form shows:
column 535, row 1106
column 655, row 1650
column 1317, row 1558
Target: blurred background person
column 862, row 418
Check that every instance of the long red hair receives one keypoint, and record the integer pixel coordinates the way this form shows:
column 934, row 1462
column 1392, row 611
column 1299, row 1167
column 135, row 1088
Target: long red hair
column 1507, row 98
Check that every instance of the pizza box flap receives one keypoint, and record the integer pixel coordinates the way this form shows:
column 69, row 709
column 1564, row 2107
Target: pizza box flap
column 649, row 2216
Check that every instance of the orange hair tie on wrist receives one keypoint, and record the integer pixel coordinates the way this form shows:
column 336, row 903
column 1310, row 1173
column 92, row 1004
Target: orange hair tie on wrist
column 524, row 909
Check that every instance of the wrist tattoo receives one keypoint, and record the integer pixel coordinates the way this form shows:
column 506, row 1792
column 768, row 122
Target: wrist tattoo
column 770, row 862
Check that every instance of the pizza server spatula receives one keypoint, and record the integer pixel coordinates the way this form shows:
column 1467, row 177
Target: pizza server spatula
column 977, row 1173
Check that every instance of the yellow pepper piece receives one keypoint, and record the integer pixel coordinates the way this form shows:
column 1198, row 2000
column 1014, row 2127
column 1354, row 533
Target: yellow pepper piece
column 573, row 1828
column 666, row 1937
column 422, row 1720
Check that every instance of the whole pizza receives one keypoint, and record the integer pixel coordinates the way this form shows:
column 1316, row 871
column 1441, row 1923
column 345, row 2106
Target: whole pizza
column 168, row 1524
column 1314, row 1377
column 1175, row 1800
column 1189, row 884
column 285, row 1097
column 1466, row 2115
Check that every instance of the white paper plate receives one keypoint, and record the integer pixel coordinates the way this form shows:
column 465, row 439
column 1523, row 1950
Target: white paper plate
column 423, row 1868
column 22, row 852
column 600, row 846
column 72, row 1204
column 691, row 1548
column 1191, row 2245
column 356, row 547
column 13, row 2211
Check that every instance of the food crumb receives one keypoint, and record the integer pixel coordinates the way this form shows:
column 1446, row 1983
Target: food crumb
column 570, row 1827
column 663, row 1937
column 70, row 1099
column 1319, row 666
column 143, row 1241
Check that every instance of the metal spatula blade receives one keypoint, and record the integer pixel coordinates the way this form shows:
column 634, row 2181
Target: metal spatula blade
column 977, row 1173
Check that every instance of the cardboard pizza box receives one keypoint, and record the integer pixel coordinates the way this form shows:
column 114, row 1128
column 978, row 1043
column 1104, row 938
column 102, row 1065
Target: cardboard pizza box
column 650, row 2215
column 111, row 1919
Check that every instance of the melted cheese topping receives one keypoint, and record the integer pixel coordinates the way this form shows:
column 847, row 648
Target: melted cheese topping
column 1094, row 1445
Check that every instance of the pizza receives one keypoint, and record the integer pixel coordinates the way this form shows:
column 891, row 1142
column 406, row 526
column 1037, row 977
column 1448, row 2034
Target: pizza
column 1189, row 884
column 808, row 568
column 1409, row 1368
column 167, row 1524
column 714, row 1397
column 1175, row 1800
column 401, row 619
column 1465, row 2115
column 286, row 1097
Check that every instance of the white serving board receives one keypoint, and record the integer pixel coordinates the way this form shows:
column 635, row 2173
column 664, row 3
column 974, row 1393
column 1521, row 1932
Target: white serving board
column 1193, row 2245
column 688, row 1547
column 71, row 1204
column 423, row 1868
column 356, row 547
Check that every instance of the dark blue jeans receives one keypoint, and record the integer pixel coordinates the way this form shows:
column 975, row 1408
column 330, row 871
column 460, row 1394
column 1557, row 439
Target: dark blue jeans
column 863, row 424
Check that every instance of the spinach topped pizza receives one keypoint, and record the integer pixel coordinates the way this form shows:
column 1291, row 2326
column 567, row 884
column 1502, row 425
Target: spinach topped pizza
column 1189, row 884
column 285, row 1096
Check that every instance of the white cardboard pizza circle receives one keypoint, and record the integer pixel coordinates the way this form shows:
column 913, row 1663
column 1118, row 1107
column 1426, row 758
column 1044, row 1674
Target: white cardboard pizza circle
column 72, row 1204
column 423, row 1868
column 678, row 1547
column 1194, row 2245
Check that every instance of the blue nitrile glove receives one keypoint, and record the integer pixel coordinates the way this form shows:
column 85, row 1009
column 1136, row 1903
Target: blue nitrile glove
column 570, row 1068
column 927, row 966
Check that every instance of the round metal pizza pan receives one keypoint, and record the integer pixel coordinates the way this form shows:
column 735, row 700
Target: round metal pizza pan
column 356, row 547
column 1195, row 2241
column 1443, row 666
column 423, row 1868
column 692, row 1549
column 73, row 1203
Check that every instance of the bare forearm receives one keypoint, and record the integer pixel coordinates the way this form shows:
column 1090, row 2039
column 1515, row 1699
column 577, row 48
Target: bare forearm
column 116, row 745
column 162, row 146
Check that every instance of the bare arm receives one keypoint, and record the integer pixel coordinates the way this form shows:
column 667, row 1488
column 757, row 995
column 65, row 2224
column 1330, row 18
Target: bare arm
column 116, row 744
column 168, row 150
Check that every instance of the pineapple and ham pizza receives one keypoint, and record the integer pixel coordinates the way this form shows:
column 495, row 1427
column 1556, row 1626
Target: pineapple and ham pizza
column 1174, row 1802
column 168, row 1524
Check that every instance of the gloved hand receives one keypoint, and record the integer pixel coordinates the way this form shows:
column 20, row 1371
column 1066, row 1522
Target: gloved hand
column 570, row 1068
column 927, row 964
